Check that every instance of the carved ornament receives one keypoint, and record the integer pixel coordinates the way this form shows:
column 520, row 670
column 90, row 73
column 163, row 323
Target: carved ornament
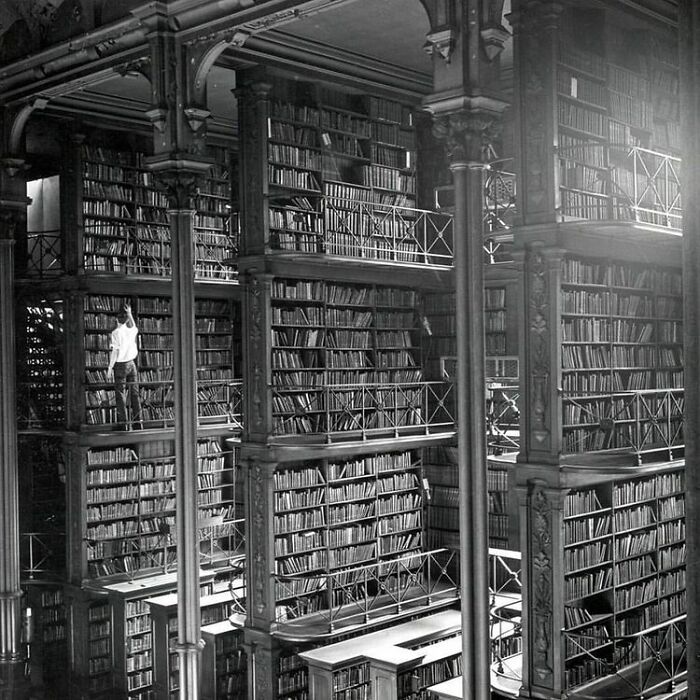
column 259, row 538
column 541, row 578
column 257, row 353
column 467, row 135
column 493, row 41
column 539, row 346
column 441, row 42
column 180, row 187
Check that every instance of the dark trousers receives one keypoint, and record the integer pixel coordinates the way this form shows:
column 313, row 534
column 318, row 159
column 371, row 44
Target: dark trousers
column 126, row 382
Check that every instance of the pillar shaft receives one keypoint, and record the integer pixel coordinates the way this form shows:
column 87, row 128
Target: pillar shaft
column 189, row 616
column 690, row 125
column 10, row 592
column 473, row 525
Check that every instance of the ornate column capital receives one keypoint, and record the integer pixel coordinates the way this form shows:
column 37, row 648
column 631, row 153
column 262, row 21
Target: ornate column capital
column 179, row 179
column 467, row 136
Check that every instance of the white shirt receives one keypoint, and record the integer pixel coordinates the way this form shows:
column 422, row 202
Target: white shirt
column 124, row 340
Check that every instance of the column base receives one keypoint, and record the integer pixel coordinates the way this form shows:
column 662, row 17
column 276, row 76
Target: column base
column 14, row 685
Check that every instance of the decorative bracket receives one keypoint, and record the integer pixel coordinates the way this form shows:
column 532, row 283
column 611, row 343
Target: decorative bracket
column 158, row 116
column 196, row 117
column 13, row 166
column 494, row 39
column 441, row 42
column 238, row 38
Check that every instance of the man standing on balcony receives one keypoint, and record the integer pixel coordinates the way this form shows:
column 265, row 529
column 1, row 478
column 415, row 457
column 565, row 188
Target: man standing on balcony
column 122, row 368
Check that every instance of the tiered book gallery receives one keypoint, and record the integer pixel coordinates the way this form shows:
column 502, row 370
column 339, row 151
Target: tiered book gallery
column 351, row 393
column 618, row 119
column 347, row 366
column 116, row 488
column 339, row 303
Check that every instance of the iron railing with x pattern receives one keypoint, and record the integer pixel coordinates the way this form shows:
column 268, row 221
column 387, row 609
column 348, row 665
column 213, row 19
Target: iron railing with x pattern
column 649, row 663
column 218, row 400
column 499, row 212
column 505, row 588
column 43, row 256
column 656, row 188
column 642, row 422
column 42, row 554
column 356, row 595
column 343, row 411
column 384, row 232
column 133, row 252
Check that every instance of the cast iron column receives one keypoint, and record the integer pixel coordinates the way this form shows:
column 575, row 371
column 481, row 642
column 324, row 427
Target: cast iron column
column 471, row 421
column 180, row 185
column 690, row 124
column 13, row 214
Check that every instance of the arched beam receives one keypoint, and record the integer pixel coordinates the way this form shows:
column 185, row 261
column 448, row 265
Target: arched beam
column 13, row 146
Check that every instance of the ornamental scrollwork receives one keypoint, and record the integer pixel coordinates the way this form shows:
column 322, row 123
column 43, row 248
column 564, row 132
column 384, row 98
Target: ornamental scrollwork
column 256, row 334
column 541, row 578
column 259, row 535
column 539, row 345
column 180, row 187
column 467, row 135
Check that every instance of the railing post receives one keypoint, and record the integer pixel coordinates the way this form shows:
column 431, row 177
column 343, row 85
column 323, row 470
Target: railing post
column 366, row 594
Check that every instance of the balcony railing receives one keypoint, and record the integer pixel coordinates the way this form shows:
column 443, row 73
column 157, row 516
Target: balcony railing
column 499, row 212
column 43, row 256
column 384, row 232
column 357, row 595
column 41, row 554
column 641, row 186
column 131, row 252
column 502, row 417
column 505, row 587
column 218, row 400
column 39, row 405
column 645, row 664
column 221, row 542
column 505, row 573
column 347, row 411
column 641, row 422
column 656, row 189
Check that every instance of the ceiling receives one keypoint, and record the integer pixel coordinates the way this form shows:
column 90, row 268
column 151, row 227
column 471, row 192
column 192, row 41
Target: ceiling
column 389, row 33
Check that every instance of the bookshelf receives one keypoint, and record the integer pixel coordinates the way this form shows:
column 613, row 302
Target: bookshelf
column 217, row 605
column 129, row 498
column 292, row 677
column 441, row 472
column 582, row 110
column 502, row 511
column 337, row 515
column 340, row 387
column 338, row 353
column 125, row 222
column 621, row 332
column 340, row 172
column 99, row 634
column 624, row 559
column 217, row 341
column 108, row 505
column 441, row 660
column 224, row 660
column 495, row 320
column 48, row 644
column 615, row 120
column 399, row 662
